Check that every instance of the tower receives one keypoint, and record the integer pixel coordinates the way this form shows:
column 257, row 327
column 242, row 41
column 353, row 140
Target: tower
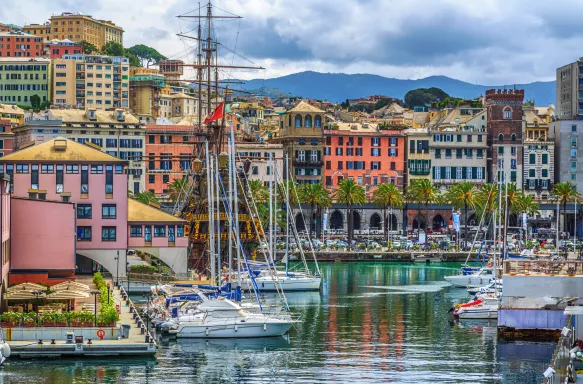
column 505, row 134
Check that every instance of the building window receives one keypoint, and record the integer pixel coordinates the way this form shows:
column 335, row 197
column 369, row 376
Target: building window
column 84, row 211
column 531, row 173
column 34, row 177
column 512, row 163
column 507, row 113
column 21, row 168
column 448, row 173
column 171, row 237
column 573, row 128
column 339, row 151
column 97, row 169
column 479, row 175
column 532, row 158
column 47, row 168
column 313, row 156
column 108, row 211
column 109, row 179
column 376, row 141
column 159, row 231
column 437, row 171
column 573, row 153
column 501, row 150
column 108, row 233
column 136, row 231
column 513, row 137
column 573, row 142
column 83, row 233
column 458, row 173
column 545, row 173
column 298, row 121
column 545, row 158
column 148, row 233
column 84, row 179
column 72, row 169
column 500, row 137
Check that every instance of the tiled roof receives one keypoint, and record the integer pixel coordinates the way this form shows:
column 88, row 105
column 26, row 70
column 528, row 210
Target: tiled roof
column 305, row 107
column 69, row 151
column 139, row 212
column 78, row 115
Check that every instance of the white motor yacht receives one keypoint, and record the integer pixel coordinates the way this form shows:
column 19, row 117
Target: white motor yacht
column 288, row 282
column 478, row 278
column 222, row 318
column 492, row 288
column 485, row 307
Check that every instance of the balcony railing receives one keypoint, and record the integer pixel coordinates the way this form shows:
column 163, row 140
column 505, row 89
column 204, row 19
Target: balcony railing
column 419, row 171
column 308, row 163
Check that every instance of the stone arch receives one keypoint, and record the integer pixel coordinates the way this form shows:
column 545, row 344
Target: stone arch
column 391, row 222
column 298, row 121
column 300, row 224
column 419, row 222
column 513, row 137
column 308, row 121
column 336, row 220
column 438, row 222
column 507, row 113
column 375, row 221
column 500, row 137
column 356, row 220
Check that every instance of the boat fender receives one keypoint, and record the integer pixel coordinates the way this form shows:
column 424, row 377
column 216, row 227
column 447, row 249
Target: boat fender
column 163, row 315
column 5, row 350
column 265, row 326
column 469, row 280
column 206, row 331
column 236, row 327
column 481, row 281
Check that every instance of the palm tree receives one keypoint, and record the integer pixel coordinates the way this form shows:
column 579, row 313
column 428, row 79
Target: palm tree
column 351, row 194
column 511, row 196
column 258, row 191
column 176, row 187
column 422, row 191
column 486, row 201
column 462, row 195
column 316, row 197
column 564, row 193
column 387, row 196
column 291, row 187
column 147, row 197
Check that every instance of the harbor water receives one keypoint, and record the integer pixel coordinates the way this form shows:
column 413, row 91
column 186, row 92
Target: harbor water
column 371, row 323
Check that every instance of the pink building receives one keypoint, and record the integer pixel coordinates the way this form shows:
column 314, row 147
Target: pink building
column 5, row 230
column 6, row 137
column 62, row 170
column 44, row 252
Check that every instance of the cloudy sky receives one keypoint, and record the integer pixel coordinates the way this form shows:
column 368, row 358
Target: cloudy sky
column 488, row 42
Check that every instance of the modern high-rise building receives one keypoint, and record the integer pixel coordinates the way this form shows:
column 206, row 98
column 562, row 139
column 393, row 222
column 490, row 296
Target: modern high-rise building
column 22, row 78
column 78, row 27
column 569, row 85
column 91, row 81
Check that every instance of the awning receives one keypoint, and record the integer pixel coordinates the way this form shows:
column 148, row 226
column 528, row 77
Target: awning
column 27, row 287
column 22, row 295
column 70, row 285
column 67, row 295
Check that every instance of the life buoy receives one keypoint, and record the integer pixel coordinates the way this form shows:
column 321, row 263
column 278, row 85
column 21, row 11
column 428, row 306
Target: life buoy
column 489, row 265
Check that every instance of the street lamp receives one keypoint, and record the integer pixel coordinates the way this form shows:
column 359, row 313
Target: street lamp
column 117, row 270
column 37, row 294
column 95, row 293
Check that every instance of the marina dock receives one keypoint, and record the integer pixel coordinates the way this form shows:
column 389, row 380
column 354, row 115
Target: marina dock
column 55, row 342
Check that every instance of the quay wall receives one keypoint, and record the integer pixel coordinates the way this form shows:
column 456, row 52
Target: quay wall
column 58, row 333
column 531, row 318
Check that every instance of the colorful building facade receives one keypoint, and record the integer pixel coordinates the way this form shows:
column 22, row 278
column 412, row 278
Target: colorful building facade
column 22, row 78
column 145, row 86
column 6, row 137
column 90, row 81
column 365, row 153
column 79, row 27
column 20, row 44
column 64, row 47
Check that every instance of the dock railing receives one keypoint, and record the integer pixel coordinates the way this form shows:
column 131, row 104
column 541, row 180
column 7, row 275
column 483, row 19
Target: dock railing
column 561, row 359
column 543, row 267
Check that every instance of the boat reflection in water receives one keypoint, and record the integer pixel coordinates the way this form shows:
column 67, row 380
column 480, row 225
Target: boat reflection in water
column 223, row 346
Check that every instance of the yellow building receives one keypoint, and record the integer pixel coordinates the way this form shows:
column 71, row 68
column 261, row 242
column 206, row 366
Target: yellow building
column 145, row 87
column 12, row 113
column 78, row 27
column 82, row 81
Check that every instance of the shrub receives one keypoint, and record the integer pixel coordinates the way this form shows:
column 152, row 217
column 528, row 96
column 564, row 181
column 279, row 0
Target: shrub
column 143, row 269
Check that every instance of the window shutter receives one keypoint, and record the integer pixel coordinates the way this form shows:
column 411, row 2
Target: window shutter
column 464, row 173
column 396, row 151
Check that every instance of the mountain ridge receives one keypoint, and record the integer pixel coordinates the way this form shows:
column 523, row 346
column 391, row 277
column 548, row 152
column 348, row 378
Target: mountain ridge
column 338, row 87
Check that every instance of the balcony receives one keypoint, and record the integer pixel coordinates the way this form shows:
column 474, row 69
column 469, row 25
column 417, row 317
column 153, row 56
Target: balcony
column 80, row 86
column 80, row 94
column 307, row 177
column 418, row 172
column 307, row 163
column 80, row 76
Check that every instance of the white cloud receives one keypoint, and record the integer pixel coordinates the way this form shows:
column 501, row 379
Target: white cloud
column 490, row 42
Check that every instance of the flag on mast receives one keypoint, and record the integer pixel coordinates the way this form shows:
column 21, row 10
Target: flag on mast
column 217, row 114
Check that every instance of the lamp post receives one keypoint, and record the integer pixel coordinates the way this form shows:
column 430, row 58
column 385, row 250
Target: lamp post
column 95, row 293
column 117, row 270
column 37, row 294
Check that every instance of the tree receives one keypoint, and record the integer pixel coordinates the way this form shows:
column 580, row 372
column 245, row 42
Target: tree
column 88, row 48
column 111, row 48
column 462, row 195
column 351, row 194
column 258, row 191
column 316, row 197
column 565, row 193
column 176, row 187
column 422, row 191
column 486, row 202
column 35, row 102
column 147, row 197
column 146, row 54
column 424, row 96
column 387, row 196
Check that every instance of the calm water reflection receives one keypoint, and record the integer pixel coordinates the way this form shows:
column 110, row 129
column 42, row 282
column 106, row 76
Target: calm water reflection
column 371, row 323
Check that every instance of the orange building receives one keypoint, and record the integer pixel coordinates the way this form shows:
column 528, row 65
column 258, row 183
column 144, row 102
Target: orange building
column 369, row 155
column 168, row 155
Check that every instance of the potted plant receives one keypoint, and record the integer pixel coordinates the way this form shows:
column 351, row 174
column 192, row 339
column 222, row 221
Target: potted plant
column 60, row 319
column 87, row 319
column 30, row 319
column 48, row 320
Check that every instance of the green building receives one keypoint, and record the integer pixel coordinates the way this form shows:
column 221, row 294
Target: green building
column 22, row 78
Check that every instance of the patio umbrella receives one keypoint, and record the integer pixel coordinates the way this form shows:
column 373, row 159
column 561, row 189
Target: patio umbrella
column 70, row 285
column 27, row 287
column 22, row 295
column 67, row 295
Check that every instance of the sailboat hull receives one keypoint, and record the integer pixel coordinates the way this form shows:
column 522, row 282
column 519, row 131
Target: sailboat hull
column 464, row 281
column 240, row 330
column 288, row 284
